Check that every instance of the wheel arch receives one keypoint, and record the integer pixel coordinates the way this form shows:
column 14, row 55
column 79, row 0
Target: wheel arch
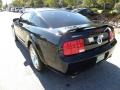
column 33, row 40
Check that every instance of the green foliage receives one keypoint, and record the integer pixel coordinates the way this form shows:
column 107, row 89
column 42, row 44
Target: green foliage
column 15, row 3
column 0, row 3
column 31, row 3
column 18, row 3
column 101, row 2
column 38, row 3
column 70, row 2
column 88, row 3
column 51, row 3
column 100, row 11
column 94, row 9
column 5, row 6
column 114, row 12
column 117, row 7
column 27, row 3
column 106, row 4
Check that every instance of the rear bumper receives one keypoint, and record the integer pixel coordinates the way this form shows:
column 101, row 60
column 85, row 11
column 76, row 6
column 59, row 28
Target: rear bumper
column 75, row 68
column 81, row 62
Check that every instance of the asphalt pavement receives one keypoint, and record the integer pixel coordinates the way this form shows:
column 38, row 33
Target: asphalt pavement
column 16, row 72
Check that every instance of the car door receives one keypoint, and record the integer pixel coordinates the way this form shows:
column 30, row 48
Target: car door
column 17, row 28
column 24, row 26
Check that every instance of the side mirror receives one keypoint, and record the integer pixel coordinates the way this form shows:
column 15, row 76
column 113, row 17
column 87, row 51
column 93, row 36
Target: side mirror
column 16, row 19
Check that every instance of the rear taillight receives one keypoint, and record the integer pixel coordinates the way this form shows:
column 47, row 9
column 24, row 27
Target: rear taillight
column 73, row 47
column 111, row 35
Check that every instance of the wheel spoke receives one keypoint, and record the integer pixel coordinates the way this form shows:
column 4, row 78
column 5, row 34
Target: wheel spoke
column 34, row 58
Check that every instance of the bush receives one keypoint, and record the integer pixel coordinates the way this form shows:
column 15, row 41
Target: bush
column 114, row 12
column 97, row 10
column 100, row 11
column 94, row 9
column 117, row 7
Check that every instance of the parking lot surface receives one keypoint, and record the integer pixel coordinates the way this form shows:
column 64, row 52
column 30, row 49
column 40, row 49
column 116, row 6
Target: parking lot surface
column 17, row 74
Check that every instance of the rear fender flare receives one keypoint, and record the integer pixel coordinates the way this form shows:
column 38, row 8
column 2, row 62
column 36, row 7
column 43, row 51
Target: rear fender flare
column 33, row 39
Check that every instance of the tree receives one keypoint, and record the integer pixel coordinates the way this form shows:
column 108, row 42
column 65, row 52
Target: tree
column 0, row 3
column 34, row 3
column 38, row 3
column 5, row 6
column 88, row 3
column 15, row 3
column 71, row 2
column 117, row 7
column 18, row 3
column 104, row 3
column 51, row 3
column 31, row 3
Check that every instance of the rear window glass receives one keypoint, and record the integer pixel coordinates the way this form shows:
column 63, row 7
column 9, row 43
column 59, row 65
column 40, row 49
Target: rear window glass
column 60, row 18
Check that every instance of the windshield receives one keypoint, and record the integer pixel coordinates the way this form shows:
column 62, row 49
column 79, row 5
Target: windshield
column 59, row 18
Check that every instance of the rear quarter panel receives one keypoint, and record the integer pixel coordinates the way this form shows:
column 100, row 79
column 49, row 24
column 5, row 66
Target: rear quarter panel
column 48, row 44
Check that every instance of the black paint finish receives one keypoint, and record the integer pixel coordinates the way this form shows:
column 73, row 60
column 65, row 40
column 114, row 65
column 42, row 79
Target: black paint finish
column 48, row 40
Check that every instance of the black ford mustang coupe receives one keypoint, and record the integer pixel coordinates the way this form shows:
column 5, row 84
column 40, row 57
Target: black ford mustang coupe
column 65, row 41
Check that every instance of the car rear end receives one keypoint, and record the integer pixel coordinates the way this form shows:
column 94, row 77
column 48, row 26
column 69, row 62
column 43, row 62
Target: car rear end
column 82, row 48
column 79, row 43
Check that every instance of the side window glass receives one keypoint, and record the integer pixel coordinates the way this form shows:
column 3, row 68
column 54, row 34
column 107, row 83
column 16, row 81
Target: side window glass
column 26, row 17
column 38, row 22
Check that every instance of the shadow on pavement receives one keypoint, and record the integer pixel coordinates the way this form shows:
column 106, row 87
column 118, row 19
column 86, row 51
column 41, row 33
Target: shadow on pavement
column 105, row 76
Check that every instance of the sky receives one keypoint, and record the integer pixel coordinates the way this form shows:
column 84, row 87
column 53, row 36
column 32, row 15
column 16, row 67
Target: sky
column 6, row 1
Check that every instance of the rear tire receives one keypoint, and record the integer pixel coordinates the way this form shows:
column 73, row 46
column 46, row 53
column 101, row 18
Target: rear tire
column 36, row 62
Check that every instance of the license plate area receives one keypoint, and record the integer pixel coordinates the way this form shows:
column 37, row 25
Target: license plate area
column 100, row 58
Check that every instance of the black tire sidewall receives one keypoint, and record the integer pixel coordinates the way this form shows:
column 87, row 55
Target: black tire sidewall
column 41, row 65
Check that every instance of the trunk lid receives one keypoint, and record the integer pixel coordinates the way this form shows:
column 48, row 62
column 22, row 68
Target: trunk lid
column 94, row 35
